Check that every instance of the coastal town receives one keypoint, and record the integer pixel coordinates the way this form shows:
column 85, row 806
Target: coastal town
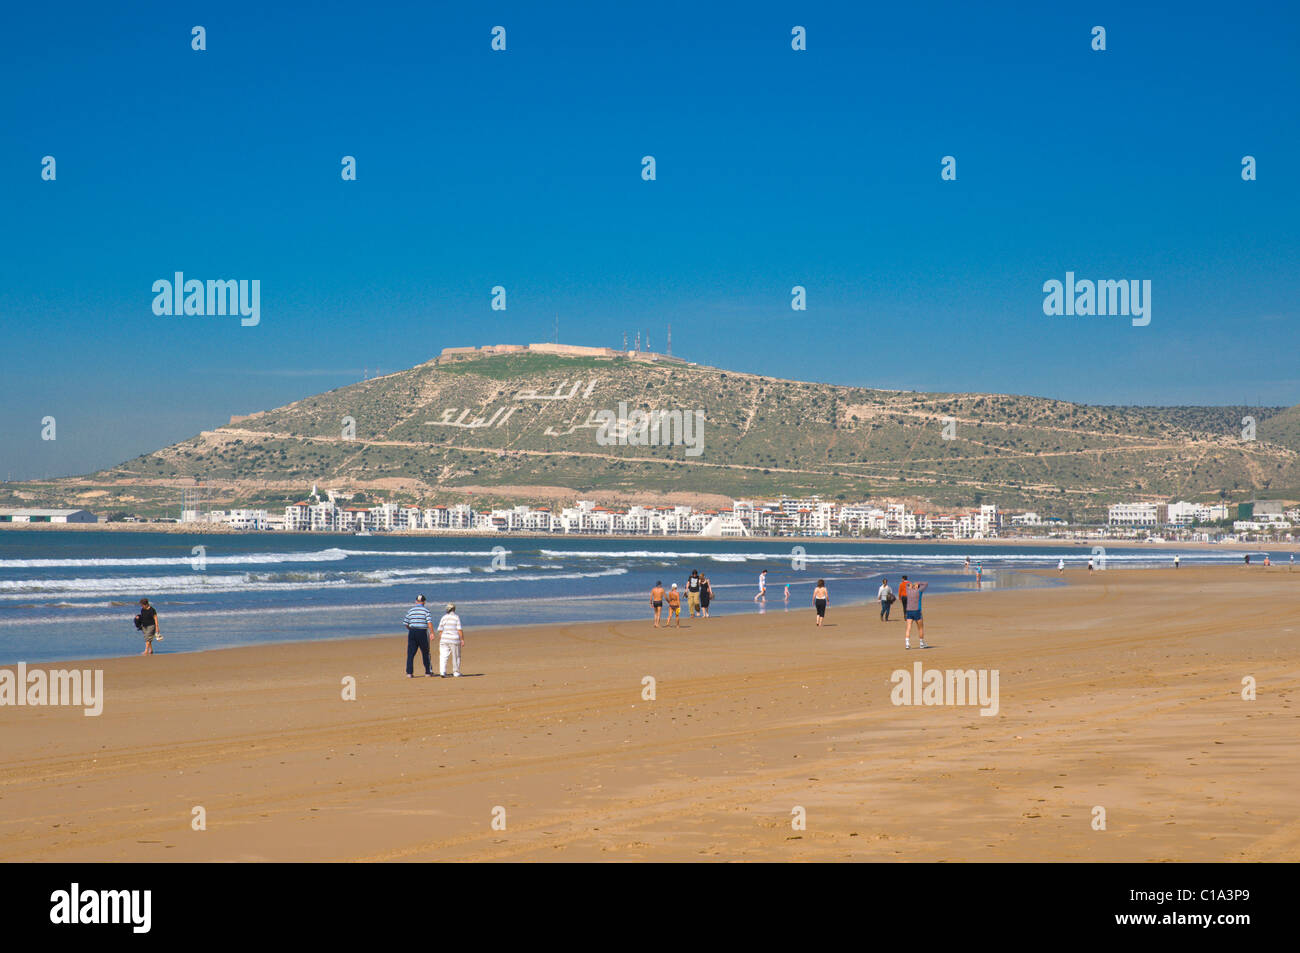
column 331, row 511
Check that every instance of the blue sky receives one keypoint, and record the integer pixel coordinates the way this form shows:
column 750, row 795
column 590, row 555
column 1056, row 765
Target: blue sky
column 775, row 168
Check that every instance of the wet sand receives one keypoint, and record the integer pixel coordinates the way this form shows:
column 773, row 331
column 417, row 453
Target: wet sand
column 1121, row 690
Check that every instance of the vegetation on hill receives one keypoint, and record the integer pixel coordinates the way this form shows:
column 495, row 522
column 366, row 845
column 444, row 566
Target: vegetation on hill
column 761, row 437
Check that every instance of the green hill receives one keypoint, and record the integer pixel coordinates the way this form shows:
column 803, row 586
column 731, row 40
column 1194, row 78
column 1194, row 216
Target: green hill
column 761, row 437
column 1282, row 428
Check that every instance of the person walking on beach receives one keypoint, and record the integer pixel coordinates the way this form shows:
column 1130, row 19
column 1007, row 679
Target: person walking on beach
column 675, row 605
column 1175, row 560
column 820, row 595
column 1060, row 566
column 706, row 596
column 418, row 623
column 979, row 575
column 451, row 640
column 1089, row 564
column 968, row 564
column 902, row 595
column 762, row 587
column 886, row 597
column 147, row 623
column 657, row 600
column 693, row 592
column 913, row 614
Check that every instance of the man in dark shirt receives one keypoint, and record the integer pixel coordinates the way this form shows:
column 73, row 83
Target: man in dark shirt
column 147, row 623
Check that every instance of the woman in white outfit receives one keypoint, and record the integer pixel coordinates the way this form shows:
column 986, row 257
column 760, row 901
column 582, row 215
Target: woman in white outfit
column 451, row 640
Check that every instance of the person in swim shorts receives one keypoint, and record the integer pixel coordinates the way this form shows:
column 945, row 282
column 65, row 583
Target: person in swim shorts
column 657, row 601
column 913, row 614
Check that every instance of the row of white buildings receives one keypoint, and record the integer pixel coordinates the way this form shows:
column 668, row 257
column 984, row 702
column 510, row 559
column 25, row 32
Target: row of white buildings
column 1166, row 514
column 1257, row 519
column 785, row 517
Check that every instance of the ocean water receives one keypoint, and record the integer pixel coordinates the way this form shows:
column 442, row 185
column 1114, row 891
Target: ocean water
column 73, row 595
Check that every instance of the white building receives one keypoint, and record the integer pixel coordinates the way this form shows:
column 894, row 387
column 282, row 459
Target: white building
column 297, row 516
column 791, row 506
column 1265, row 526
column 640, row 519
column 825, row 519
column 899, row 522
column 246, row 519
column 987, row 521
column 859, row 517
column 384, row 516
column 540, row 520
column 323, row 516
column 725, row 525
column 352, row 519
column 460, row 516
column 579, row 518
column 1183, row 513
column 523, row 519
column 1135, row 514
column 47, row 516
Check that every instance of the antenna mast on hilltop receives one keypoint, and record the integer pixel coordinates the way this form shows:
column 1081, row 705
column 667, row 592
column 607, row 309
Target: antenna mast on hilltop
column 638, row 341
column 625, row 341
column 670, row 339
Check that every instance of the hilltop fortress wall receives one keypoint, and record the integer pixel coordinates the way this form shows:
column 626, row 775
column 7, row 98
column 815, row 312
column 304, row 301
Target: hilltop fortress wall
column 565, row 350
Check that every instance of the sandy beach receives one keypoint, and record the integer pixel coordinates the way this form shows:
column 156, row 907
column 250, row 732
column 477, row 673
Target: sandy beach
column 1121, row 690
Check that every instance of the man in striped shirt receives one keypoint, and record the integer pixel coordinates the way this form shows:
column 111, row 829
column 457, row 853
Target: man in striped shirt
column 418, row 623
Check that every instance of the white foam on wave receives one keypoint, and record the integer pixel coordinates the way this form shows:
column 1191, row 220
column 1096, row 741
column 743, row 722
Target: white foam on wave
column 198, row 583
column 173, row 614
column 887, row 557
column 336, row 554
column 333, row 554
column 243, row 559
column 421, row 552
